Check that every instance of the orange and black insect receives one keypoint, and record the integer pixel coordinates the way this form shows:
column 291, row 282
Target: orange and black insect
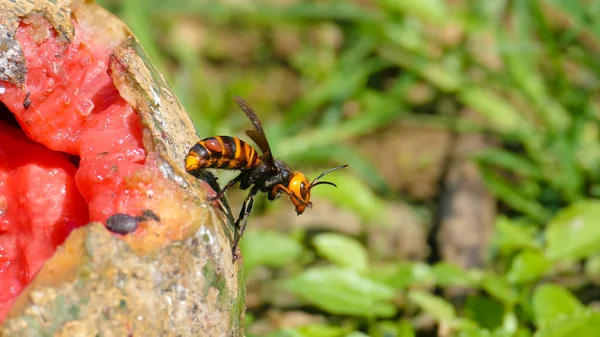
column 258, row 172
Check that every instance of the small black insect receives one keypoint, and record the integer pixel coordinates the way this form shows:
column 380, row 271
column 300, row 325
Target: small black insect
column 121, row 223
column 26, row 101
column 148, row 215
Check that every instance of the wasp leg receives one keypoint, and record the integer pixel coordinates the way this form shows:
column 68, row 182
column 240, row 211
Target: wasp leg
column 240, row 224
column 227, row 186
column 287, row 191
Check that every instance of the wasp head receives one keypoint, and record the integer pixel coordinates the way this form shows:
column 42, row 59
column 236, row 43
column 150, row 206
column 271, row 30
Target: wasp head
column 300, row 187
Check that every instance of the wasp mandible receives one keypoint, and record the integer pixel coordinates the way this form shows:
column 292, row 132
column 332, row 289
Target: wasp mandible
column 258, row 172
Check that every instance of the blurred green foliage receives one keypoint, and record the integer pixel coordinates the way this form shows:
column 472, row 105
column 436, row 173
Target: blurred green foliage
column 528, row 70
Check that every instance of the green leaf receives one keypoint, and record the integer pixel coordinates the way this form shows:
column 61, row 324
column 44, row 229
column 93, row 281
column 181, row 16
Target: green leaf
column 437, row 307
column 343, row 292
column 486, row 312
column 403, row 274
column 528, row 266
column 519, row 164
column 575, row 231
column 581, row 325
column 311, row 330
column 268, row 248
column 429, row 10
column 522, row 332
column 511, row 236
column 500, row 289
column 474, row 333
column 342, row 250
column 502, row 188
column 551, row 302
column 447, row 274
column 501, row 114
column 321, row 330
column 405, row 329
column 510, row 326
column 402, row 328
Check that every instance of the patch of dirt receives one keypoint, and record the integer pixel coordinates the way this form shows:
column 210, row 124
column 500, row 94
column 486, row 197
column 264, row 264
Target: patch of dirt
column 467, row 209
column 410, row 158
column 403, row 238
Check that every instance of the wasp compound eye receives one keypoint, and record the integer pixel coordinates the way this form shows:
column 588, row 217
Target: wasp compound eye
column 303, row 192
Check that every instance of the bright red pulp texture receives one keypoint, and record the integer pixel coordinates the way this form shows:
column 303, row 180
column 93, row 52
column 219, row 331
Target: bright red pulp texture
column 76, row 110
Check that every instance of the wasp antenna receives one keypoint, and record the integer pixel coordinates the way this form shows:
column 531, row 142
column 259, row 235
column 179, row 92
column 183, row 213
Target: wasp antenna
column 314, row 182
column 324, row 183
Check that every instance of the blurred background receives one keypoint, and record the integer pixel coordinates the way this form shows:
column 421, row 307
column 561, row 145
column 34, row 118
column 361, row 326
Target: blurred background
column 472, row 133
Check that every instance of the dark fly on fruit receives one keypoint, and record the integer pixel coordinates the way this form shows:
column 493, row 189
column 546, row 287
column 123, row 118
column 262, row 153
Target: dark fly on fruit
column 259, row 173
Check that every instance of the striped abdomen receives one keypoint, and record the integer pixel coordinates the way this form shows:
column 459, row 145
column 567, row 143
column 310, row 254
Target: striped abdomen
column 222, row 152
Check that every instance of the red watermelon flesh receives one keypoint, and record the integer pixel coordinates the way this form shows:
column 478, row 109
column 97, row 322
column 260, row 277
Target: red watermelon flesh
column 39, row 205
column 77, row 156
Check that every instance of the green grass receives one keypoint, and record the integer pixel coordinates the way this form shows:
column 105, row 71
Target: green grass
column 326, row 77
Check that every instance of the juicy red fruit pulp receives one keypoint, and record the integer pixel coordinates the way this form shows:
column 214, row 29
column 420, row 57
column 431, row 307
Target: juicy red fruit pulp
column 39, row 205
column 67, row 108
